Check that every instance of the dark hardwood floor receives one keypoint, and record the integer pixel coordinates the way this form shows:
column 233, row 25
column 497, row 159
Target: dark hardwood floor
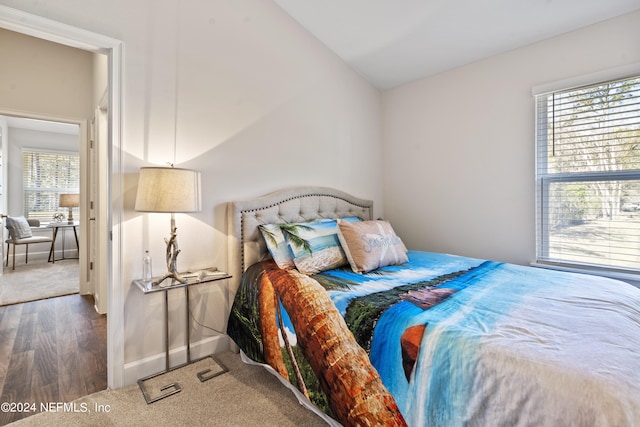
column 52, row 350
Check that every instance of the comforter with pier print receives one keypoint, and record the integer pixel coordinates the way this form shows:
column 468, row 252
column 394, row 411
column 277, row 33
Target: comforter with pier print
column 448, row 341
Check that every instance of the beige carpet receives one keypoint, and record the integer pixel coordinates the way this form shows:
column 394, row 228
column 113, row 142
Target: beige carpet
column 38, row 280
column 245, row 396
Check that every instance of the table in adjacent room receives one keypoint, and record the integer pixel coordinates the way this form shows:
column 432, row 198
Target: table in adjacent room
column 64, row 226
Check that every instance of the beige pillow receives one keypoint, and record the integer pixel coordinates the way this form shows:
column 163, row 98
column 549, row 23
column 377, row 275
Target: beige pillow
column 371, row 244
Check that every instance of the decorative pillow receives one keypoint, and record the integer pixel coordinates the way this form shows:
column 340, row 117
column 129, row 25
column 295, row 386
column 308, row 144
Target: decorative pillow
column 315, row 246
column 277, row 245
column 371, row 244
column 18, row 227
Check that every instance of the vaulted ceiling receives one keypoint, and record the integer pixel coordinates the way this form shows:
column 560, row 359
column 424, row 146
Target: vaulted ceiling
column 392, row 42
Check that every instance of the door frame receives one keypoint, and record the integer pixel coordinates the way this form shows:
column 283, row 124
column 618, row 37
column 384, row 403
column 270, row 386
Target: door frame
column 110, row 217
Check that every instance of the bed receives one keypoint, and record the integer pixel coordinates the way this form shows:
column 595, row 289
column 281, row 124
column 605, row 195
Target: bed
column 423, row 339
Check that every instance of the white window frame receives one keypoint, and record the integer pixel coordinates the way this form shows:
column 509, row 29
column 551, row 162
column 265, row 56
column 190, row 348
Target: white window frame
column 58, row 190
column 543, row 181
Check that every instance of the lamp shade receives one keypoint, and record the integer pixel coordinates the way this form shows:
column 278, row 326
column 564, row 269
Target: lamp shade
column 170, row 190
column 69, row 200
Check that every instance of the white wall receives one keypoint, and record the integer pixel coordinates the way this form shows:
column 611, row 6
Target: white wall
column 261, row 105
column 459, row 146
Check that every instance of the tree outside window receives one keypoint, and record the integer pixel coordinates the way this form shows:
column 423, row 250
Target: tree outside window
column 588, row 175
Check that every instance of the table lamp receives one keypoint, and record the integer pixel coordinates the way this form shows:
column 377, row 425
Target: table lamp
column 169, row 190
column 69, row 201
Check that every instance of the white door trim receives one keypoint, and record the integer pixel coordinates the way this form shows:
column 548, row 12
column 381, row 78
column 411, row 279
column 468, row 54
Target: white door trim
column 111, row 218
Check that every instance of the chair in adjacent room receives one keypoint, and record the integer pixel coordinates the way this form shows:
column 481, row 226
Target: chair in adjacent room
column 20, row 234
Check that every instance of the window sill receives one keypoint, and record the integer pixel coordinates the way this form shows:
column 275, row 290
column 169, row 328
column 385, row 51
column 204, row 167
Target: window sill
column 631, row 278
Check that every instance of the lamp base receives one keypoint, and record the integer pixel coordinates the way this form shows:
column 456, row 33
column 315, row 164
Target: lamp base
column 172, row 257
column 169, row 275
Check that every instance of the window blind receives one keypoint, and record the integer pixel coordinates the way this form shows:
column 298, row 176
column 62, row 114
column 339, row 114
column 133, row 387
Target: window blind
column 46, row 175
column 588, row 175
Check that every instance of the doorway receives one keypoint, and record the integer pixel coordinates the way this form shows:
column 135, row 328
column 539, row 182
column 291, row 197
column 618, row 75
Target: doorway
column 41, row 162
column 110, row 215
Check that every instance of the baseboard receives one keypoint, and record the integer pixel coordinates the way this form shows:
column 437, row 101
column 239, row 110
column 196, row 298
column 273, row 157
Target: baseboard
column 37, row 255
column 156, row 363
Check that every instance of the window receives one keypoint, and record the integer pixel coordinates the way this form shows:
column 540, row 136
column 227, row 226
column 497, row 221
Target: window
column 47, row 174
column 588, row 176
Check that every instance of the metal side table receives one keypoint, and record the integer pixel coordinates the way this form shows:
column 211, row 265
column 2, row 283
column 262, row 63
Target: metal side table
column 192, row 279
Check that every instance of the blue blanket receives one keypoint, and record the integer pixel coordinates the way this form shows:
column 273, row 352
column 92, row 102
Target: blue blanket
column 462, row 341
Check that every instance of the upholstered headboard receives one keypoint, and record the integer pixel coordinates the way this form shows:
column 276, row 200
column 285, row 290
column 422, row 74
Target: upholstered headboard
column 297, row 204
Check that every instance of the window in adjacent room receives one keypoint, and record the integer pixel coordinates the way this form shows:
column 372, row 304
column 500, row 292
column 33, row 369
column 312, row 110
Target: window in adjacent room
column 588, row 175
column 46, row 175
